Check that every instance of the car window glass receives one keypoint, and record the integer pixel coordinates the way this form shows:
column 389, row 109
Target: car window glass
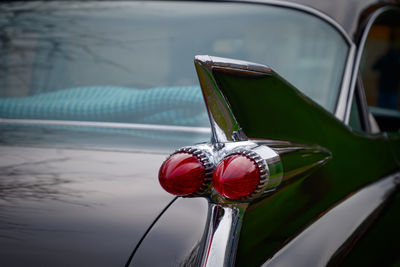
column 355, row 121
column 380, row 65
column 133, row 62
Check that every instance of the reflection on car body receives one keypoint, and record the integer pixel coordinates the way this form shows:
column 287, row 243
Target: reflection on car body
column 285, row 132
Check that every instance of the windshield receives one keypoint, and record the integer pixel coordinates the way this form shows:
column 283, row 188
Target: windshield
column 133, row 62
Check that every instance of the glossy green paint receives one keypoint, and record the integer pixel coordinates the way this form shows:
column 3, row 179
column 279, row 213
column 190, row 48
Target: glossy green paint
column 267, row 107
column 379, row 240
column 300, row 160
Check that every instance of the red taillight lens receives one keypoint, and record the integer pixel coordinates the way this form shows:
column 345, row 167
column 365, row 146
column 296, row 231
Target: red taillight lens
column 182, row 174
column 236, row 177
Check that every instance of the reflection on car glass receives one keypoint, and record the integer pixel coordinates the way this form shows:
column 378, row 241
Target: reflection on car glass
column 162, row 105
column 64, row 45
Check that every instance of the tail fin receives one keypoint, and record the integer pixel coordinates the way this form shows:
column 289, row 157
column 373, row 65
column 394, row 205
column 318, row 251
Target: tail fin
column 247, row 100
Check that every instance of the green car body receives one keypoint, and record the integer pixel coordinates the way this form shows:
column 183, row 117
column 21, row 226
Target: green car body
column 353, row 164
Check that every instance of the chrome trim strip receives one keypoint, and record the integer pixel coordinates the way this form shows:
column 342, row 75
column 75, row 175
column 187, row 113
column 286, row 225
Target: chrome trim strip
column 130, row 126
column 229, row 63
column 343, row 98
column 222, row 234
column 357, row 60
column 346, row 221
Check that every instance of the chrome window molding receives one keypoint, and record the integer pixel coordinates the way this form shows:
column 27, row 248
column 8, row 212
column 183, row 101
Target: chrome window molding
column 302, row 8
column 343, row 98
column 359, row 94
column 345, row 111
column 115, row 125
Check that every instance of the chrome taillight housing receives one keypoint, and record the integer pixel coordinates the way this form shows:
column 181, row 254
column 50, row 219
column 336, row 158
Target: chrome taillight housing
column 247, row 172
column 244, row 171
column 237, row 176
column 186, row 172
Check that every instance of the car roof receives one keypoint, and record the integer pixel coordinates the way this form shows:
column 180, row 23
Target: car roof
column 347, row 13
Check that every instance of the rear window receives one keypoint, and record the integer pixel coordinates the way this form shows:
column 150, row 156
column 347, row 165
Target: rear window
column 133, row 62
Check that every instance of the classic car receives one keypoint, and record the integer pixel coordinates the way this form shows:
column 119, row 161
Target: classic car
column 279, row 147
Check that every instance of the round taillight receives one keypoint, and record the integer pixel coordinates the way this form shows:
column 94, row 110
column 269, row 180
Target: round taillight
column 182, row 174
column 236, row 177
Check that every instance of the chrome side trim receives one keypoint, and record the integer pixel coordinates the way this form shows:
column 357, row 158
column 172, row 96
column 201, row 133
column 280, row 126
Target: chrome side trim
column 222, row 234
column 317, row 246
column 130, row 126
column 354, row 73
column 228, row 63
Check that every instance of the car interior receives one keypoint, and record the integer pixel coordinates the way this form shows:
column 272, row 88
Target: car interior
column 379, row 70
